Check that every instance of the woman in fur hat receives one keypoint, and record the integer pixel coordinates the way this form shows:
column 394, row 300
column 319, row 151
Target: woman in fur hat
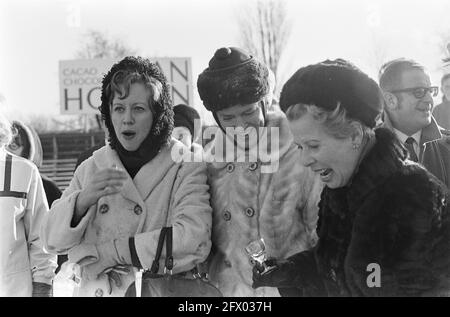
column 109, row 218
column 384, row 221
column 258, row 188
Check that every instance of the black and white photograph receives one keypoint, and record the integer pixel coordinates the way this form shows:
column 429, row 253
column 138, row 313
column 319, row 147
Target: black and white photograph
column 225, row 153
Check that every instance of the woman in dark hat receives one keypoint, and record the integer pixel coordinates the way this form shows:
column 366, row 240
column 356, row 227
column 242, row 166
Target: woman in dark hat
column 384, row 222
column 187, row 124
column 109, row 218
column 270, row 196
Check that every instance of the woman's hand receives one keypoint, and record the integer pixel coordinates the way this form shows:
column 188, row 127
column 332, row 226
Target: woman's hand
column 279, row 275
column 111, row 256
column 104, row 182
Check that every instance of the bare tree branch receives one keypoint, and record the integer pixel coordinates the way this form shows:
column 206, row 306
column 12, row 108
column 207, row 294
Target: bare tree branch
column 98, row 45
column 444, row 46
column 264, row 31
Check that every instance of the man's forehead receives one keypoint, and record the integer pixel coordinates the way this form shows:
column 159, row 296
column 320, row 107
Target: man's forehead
column 415, row 78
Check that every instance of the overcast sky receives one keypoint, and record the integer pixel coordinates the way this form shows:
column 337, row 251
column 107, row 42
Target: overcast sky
column 36, row 35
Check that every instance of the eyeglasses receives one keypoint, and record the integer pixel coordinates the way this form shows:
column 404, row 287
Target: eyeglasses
column 420, row 92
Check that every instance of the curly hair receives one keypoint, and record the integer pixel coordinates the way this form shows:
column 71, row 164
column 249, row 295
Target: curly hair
column 118, row 80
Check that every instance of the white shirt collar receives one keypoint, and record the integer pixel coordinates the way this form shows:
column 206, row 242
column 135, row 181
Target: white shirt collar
column 416, row 136
column 402, row 137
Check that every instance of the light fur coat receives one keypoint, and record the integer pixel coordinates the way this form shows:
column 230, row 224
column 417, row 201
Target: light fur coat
column 278, row 204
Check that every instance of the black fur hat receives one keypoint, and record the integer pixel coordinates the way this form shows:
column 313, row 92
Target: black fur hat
column 327, row 83
column 163, row 118
column 233, row 77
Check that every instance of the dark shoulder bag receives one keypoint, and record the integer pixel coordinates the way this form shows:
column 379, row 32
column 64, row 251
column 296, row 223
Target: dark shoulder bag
column 193, row 283
column 187, row 284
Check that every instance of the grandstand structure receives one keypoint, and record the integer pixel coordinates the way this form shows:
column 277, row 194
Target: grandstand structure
column 61, row 151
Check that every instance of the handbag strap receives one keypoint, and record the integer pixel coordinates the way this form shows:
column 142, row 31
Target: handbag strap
column 169, row 257
column 169, row 233
column 196, row 271
column 165, row 232
column 155, row 265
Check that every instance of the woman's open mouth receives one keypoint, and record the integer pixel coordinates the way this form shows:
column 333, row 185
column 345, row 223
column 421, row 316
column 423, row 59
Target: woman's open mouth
column 325, row 174
column 128, row 135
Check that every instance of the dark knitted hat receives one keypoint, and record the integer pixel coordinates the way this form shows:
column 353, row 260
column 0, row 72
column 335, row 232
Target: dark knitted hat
column 233, row 77
column 327, row 83
column 184, row 116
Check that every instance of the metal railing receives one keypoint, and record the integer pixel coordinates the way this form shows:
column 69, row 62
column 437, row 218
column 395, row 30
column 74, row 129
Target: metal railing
column 59, row 170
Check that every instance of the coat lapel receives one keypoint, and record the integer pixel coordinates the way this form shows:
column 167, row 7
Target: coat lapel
column 152, row 173
column 148, row 177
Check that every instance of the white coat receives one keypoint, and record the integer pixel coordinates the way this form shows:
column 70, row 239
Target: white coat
column 23, row 206
column 139, row 210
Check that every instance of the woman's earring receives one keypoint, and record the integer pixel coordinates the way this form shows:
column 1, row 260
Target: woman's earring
column 355, row 146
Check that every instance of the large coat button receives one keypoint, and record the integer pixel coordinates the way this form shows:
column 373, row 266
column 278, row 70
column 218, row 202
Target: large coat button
column 103, row 208
column 98, row 292
column 249, row 212
column 227, row 263
column 230, row 168
column 253, row 166
column 137, row 210
column 227, row 215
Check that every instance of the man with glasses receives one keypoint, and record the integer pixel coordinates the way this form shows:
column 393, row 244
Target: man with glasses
column 408, row 96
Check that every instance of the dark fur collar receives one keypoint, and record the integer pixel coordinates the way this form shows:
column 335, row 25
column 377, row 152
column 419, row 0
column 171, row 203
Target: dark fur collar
column 385, row 158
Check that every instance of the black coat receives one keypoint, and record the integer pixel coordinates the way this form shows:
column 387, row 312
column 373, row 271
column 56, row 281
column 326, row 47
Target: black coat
column 52, row 192
column 393, row 213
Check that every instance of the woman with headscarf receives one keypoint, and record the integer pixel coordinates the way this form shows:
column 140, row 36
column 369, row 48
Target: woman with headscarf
column 110, row 217
column 384, row 221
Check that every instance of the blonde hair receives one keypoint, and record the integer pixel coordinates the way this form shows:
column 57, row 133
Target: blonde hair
column 5, row 131
column 336, row 123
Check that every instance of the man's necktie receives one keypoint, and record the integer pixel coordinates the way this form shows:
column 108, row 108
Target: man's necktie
column 409, row 144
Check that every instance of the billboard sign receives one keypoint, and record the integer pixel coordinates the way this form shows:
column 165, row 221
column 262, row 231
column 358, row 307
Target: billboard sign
column 80, row 82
